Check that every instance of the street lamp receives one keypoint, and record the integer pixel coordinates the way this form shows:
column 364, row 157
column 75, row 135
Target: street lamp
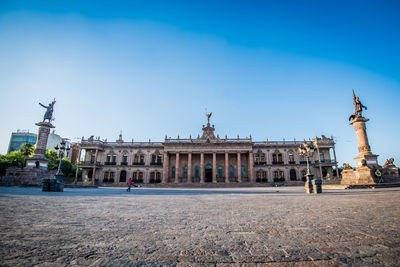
column 62, row 150
column 311, row 185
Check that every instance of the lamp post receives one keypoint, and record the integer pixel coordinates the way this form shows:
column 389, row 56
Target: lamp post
column 311, row 185
column 62, row 150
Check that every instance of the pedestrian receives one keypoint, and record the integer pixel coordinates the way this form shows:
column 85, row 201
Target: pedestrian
column 129, row 185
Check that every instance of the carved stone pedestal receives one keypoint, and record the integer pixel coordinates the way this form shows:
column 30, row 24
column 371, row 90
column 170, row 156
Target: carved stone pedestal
column 366, row 162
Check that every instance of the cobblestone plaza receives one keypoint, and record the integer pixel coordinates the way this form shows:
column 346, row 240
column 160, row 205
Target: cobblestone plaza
column 249, row 226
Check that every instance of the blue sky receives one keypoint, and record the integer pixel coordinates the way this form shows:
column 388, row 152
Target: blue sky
column 272, row 69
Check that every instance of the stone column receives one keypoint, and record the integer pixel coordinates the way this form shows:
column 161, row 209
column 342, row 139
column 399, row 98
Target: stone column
column 319, row 161
column 250, row 169
column 189, row 173
column 77, row 166
column 226, row 167
column 239, row 168
column 94, row 168
column 177, row 168
column 165, row 168
column 214, row 168
column 202, row 167
column 334, row 157
column 361, row 133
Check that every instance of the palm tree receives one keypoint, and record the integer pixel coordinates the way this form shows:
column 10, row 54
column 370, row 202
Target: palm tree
column 27, row 150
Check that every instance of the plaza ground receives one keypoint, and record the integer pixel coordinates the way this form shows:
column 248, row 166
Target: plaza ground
column 240, row 226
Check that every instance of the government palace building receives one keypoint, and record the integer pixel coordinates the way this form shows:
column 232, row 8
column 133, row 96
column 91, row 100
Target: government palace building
column 205, row 159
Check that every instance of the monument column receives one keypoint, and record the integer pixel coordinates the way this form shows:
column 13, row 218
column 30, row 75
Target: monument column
column 177, row 168
column 189, row 173
column 214, row 167
column 202, row 167
column 165, row 168
column 250, row 169
column 239, row 168
column 226, row 167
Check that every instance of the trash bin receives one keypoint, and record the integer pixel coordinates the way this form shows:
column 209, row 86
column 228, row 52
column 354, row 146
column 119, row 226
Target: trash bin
column 317, row 186
column 45, row 185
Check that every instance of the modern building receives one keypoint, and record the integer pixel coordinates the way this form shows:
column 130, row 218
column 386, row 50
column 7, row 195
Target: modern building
column 19, row 138
column 205, row 159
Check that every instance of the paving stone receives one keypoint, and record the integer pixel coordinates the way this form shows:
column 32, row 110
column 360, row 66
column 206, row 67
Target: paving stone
column 199, row 227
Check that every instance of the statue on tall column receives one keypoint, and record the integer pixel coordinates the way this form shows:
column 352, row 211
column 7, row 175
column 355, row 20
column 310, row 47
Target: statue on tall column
column 358, row 106
column 49, row 112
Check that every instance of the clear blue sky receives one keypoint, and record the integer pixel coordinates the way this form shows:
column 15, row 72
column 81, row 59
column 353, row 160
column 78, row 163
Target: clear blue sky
column 272, row 69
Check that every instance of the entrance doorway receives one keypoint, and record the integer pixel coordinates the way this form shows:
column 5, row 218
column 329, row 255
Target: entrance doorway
column 208, row 174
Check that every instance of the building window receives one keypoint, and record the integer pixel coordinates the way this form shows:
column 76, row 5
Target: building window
column 259, row 158
column 219, row 171
column 185, row 171
column 173, row 172
column 136, row 159
column 122, row 177
column 153, row 158
column 243, row 169
column 291, row 158
column 293, row 175
column 141, row 159
column 108, row 158
column 231, row 170
column 124, row 158
column 196, row 172
column 321, row 155
column 114, row 158
column 106, row 175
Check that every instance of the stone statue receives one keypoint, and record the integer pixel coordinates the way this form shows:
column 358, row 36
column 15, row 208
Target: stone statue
column 49, row 112
column 388, row 163
column 208, row 115
column 358, row 106
column 347, row 166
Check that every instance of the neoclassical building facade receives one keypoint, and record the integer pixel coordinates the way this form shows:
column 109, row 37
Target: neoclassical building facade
column 205, row 159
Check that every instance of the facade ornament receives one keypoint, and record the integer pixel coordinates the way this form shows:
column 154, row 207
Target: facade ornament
column 208, row 115
column 49, row 111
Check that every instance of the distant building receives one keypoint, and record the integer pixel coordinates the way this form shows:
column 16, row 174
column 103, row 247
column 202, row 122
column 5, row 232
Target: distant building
column 19, row 138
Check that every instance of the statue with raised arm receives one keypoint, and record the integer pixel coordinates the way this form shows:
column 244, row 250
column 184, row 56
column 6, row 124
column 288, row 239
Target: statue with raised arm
column 208, row 115
column 49, row 112
column 358, row 106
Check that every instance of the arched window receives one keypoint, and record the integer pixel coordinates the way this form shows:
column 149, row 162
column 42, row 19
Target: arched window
column 173, row 172
column 219, row 171
column 158, row 177
column 293, row 175
column 111, row 180
column 243, row 169
column 140, row 177
column 231, row 170
column 196, row 172
column 324, row 172
column 291, row 158
column 185, row 171
column 152, row 178
column 106, row 175
column 122, row 176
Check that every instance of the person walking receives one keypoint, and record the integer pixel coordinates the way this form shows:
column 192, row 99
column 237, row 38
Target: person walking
column 129, row 185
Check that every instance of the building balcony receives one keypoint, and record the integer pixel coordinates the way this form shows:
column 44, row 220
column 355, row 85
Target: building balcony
column 138, row 163
column 124, row 163
column 326, row 161
column 260, row 163
column 277, row 163
column 292, row 162
column 156, row 163
column 90, row 163
column 303, row 162
column 108, row 163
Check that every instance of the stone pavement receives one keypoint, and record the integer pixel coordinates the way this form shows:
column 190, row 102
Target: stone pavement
column 199, row 227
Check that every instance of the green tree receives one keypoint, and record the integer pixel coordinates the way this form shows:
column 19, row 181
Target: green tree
column 16, row 158
column 66, row 168
column 53, row 159
column 27, row 150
